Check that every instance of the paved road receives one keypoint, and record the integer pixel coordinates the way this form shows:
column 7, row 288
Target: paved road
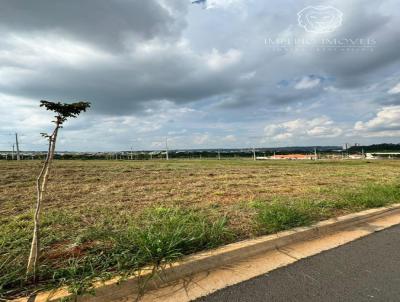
column 365, row 270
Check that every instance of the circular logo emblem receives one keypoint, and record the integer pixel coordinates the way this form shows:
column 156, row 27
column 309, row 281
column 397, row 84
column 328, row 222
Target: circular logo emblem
column 320, row 19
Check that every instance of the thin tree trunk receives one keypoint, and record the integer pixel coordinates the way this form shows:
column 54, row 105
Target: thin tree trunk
column 41, row 185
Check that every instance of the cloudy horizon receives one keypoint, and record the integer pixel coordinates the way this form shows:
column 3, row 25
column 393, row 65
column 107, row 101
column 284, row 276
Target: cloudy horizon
column 218, row 74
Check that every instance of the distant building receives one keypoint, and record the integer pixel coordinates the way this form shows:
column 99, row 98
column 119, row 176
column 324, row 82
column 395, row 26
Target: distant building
column 356, row 156
column 383, row 155
column 289, row 157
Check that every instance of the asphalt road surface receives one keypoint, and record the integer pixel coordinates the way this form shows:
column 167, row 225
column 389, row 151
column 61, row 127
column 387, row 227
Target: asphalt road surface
column 364, row 270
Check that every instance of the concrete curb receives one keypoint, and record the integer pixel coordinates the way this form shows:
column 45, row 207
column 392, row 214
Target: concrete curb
column 224, row 256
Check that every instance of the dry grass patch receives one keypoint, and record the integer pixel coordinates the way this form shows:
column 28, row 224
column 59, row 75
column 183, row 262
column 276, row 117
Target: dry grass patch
column 92, row 214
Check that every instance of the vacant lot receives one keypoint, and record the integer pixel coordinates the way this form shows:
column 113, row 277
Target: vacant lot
column 104, row 217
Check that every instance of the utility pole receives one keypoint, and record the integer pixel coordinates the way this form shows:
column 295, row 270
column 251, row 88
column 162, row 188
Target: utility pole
column 315, row 154
column 17, row 144
column 254, row 154
column 13, row 152
column 131, row 153
column 166, row 148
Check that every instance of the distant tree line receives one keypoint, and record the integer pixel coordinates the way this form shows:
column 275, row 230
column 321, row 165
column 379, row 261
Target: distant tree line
column 376, row 148
column 209, row 154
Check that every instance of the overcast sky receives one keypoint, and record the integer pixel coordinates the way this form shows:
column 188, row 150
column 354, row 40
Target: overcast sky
column 219, row 74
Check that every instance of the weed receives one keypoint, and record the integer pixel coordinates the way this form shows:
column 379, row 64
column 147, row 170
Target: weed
column 158, row 237
column 372, row 196
column 277, row 216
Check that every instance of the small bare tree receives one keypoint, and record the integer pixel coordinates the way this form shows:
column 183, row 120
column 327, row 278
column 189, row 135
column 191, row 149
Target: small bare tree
column 63, row 112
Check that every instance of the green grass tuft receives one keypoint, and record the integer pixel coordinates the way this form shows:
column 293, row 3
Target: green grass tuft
column 163, row 235
column 372, row 196
column 158, row 237
column 278, row 216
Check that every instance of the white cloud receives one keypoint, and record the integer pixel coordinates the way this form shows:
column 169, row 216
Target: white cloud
column 386, row 123
column 248, row 76
column 322, row 131
column 34, row 51
column 307, row 83
column 24, row 116
column 321, row 127
column 201, row 139
column 224, row 4
column 395, row 89
column 218, row 61
column 283, row 136
column 157, row 47
column 230, row 138
column 90, row 132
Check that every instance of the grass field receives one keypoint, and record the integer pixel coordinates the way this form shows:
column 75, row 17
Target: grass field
column 103, row 218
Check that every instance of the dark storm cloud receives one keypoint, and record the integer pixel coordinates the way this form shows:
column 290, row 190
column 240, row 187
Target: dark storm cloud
column 135, row 60
column 364, row 20
column 128, row 81
column 389, row 100
column 125, row 83
column 122, row 87
column 104, row 22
